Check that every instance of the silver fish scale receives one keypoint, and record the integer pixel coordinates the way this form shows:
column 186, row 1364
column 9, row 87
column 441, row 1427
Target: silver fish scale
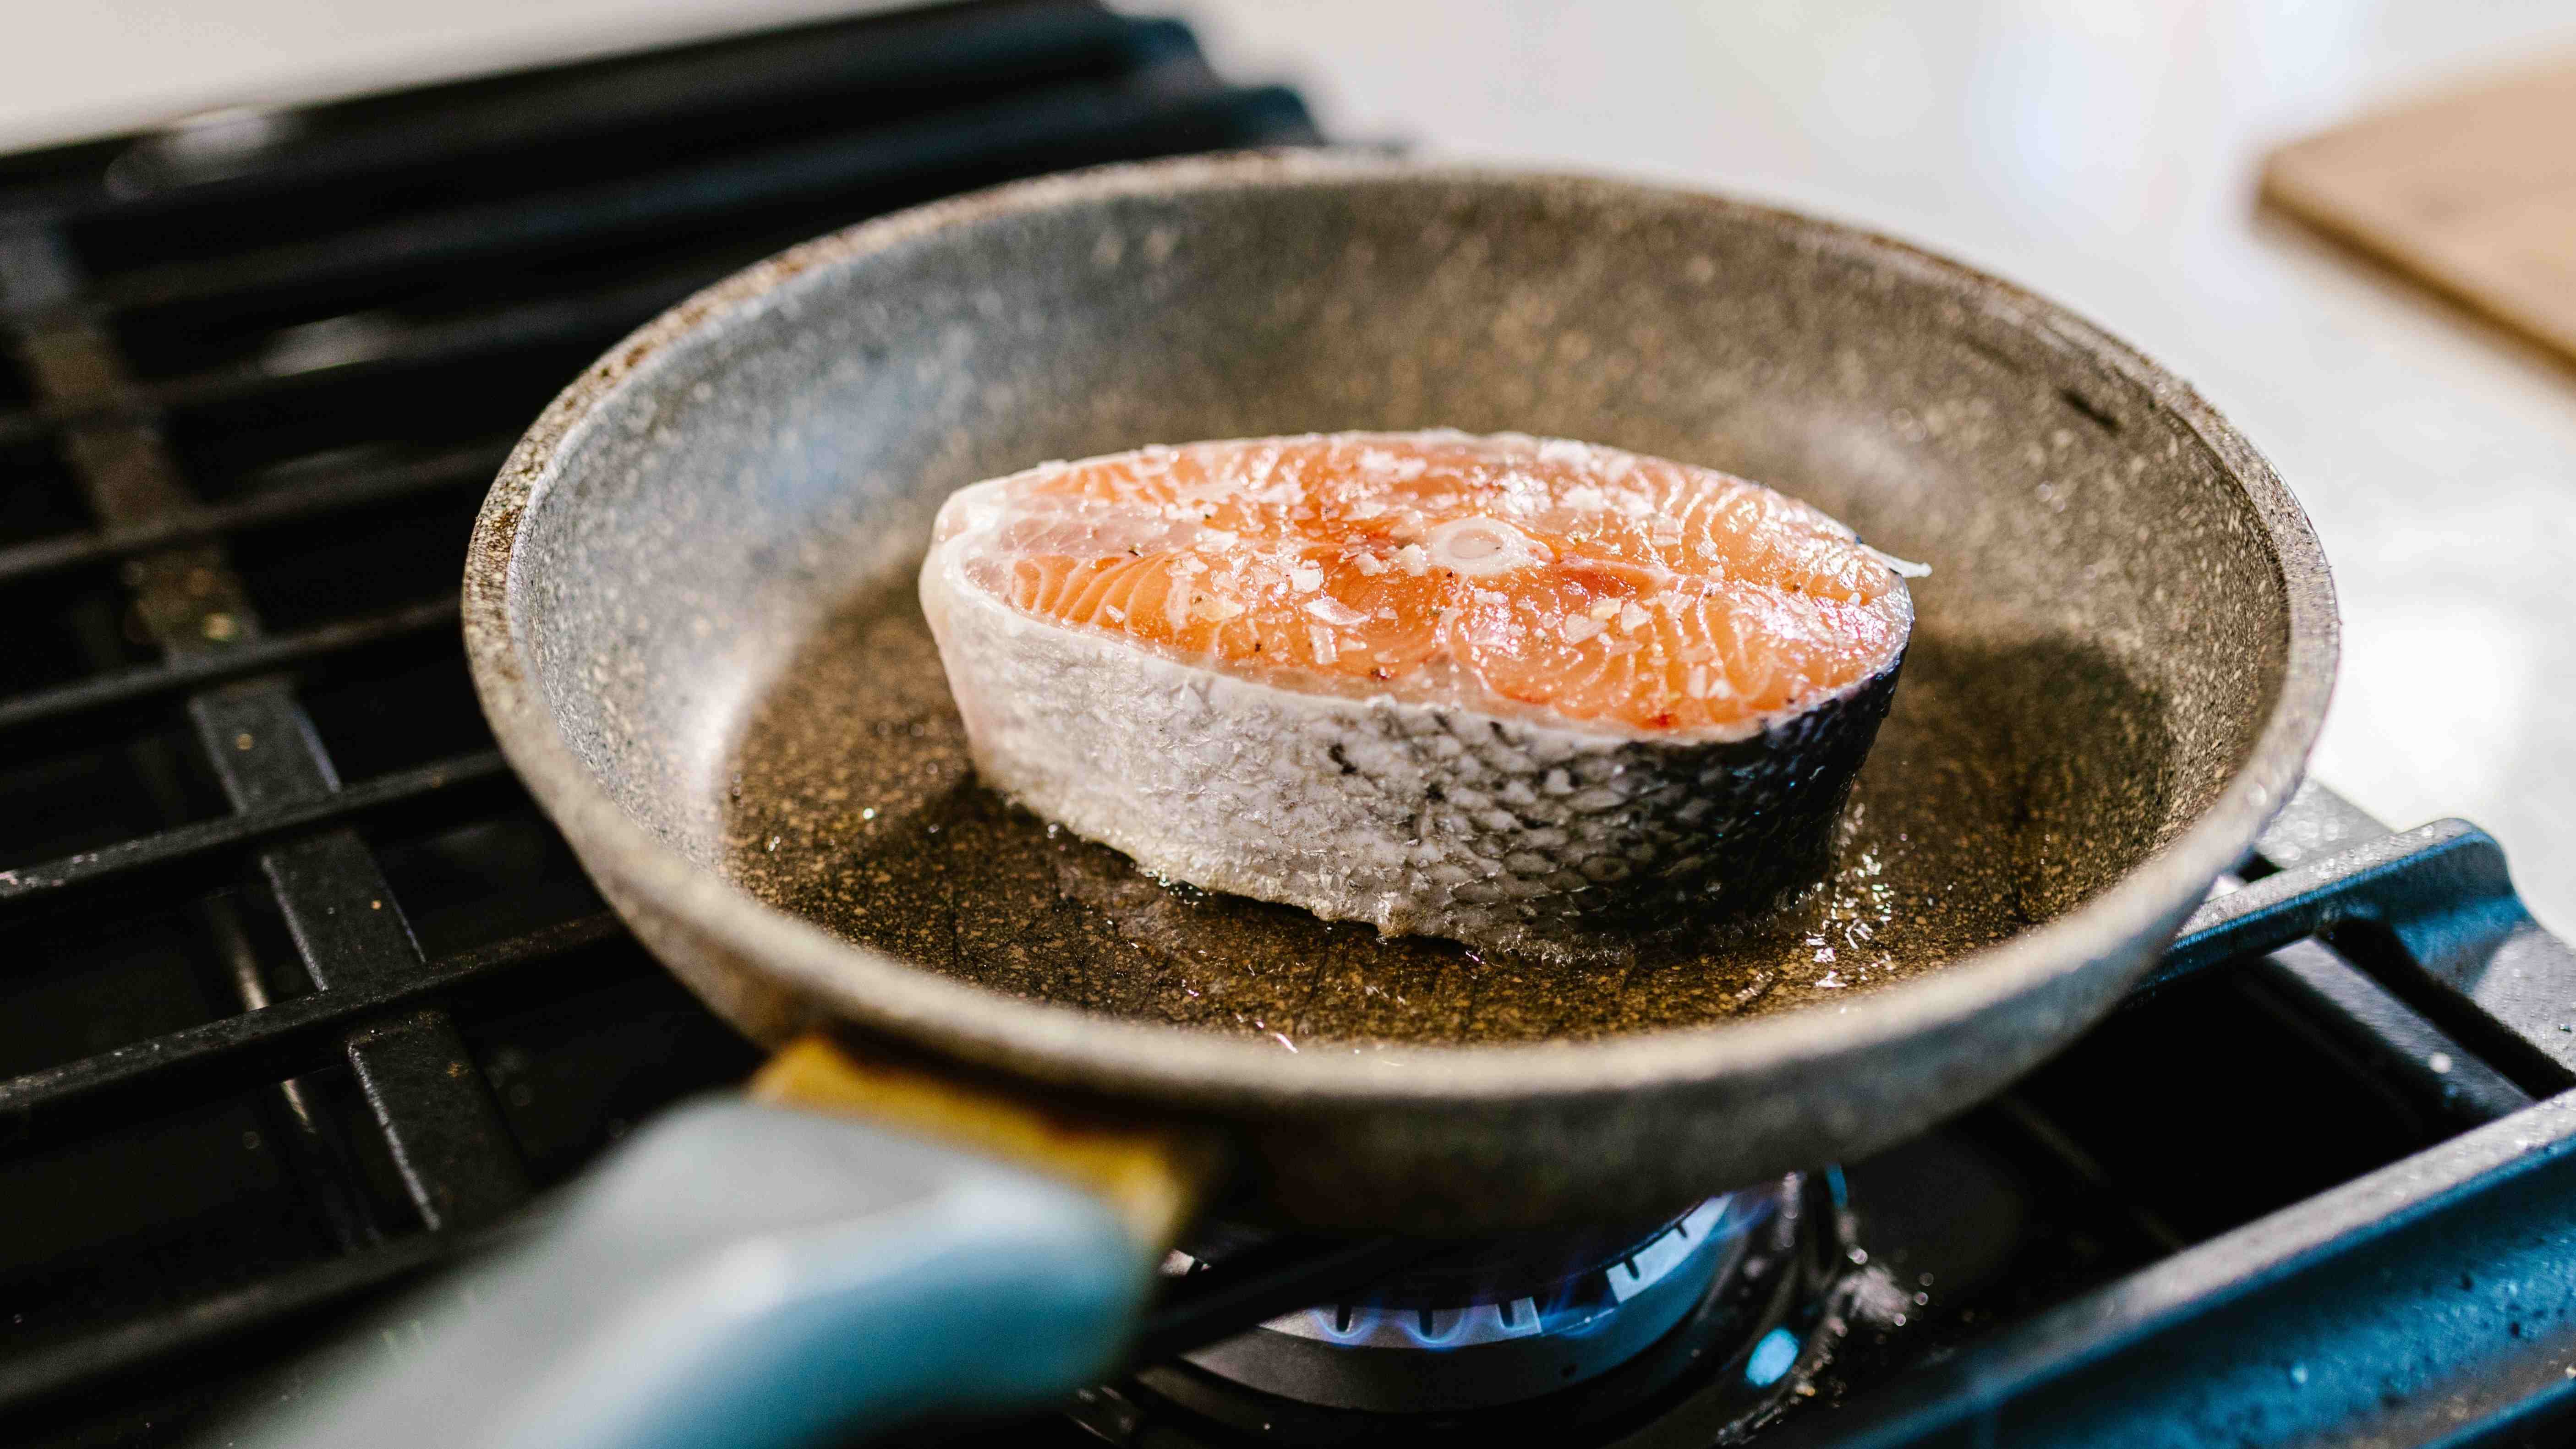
column 1541, row 838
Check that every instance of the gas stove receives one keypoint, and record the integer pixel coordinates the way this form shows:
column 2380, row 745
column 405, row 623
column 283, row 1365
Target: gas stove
column 306, row 999
column 2307, row 1195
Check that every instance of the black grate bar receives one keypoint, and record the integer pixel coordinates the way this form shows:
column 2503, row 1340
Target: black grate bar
column 206, row 853
column 437, row 1112
column 347, row 487
column 101, row 703
column 1025, row 129
column 897, row 59
column 2432, row 915
column 361, row 350
column 1077, row 126
column 432, row 1102
column 121, row 475
column 206, row 1326
column 2335, row 1004
column 2419, row 1303
column 272, row 1043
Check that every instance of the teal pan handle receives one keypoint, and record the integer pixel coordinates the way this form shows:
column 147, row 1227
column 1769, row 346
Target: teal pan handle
column 746, row 1276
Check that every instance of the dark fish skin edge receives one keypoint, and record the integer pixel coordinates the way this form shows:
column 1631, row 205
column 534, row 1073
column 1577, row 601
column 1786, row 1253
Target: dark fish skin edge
column 1765, row 832
column 1781, row 795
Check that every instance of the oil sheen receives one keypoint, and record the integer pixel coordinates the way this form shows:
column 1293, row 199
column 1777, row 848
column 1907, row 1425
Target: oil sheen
column 850, row 800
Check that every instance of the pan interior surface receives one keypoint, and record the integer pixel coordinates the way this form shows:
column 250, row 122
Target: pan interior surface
column 850, row 800
column 717, row 580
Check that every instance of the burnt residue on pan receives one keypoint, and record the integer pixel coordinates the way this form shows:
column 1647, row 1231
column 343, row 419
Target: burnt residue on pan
column 850, row 800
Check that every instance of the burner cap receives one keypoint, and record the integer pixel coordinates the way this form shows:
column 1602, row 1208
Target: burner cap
column 1488, row 1325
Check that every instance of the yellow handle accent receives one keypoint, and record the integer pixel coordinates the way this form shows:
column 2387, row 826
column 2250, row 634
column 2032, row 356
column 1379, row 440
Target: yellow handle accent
column 1155, row 1177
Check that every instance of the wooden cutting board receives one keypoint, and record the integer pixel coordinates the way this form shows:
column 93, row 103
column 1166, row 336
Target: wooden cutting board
column 2473, row 192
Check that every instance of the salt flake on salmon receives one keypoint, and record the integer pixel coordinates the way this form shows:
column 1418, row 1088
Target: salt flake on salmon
column 1509, row 690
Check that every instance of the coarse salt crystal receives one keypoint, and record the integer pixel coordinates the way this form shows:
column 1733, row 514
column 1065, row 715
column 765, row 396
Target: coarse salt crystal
column 1322, row 638
column 1630, row 616
column 1415, row 559
column 1116, row 614
column 1334, row 611
column 1369, row 564
column 1306, row 577
column 1579, row 629
column 1603, row 609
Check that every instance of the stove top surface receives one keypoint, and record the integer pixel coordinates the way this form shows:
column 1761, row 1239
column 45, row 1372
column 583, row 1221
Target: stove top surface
column 304, row 994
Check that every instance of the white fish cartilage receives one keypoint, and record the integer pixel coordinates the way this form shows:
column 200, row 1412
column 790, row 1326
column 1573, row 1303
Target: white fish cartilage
column 1902, row 568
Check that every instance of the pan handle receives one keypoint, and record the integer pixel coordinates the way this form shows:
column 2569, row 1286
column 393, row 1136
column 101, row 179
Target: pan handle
column 745, row 1273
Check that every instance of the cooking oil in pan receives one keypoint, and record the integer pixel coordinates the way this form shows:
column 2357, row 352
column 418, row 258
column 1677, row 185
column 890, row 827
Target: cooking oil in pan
column 2004, row 787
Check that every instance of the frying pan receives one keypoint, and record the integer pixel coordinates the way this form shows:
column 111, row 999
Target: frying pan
column 686, row 610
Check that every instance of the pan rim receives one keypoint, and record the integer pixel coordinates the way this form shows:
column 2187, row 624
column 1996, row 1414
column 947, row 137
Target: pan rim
column 1068, row 1045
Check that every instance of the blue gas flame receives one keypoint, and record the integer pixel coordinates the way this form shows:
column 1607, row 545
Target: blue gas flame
column 1567, row 1313
column 1772, row 1357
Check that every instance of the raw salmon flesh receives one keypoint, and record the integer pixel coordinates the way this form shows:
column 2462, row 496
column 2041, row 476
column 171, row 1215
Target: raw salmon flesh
column 1519, row 692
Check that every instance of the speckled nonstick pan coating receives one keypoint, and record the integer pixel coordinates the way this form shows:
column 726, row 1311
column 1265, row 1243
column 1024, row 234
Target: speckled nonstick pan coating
column 687, row 607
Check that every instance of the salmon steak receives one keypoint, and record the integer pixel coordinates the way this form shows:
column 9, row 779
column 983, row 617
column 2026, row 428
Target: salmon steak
column 1524, row 693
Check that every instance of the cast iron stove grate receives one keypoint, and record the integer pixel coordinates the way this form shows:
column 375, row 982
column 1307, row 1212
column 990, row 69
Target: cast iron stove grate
column 300, row 992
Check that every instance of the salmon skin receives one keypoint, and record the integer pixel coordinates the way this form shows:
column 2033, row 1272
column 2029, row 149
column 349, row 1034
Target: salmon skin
column 1524, row 693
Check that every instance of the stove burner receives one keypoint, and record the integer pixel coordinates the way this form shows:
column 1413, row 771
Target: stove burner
column 1701, row 1324
column 1484, row 1335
